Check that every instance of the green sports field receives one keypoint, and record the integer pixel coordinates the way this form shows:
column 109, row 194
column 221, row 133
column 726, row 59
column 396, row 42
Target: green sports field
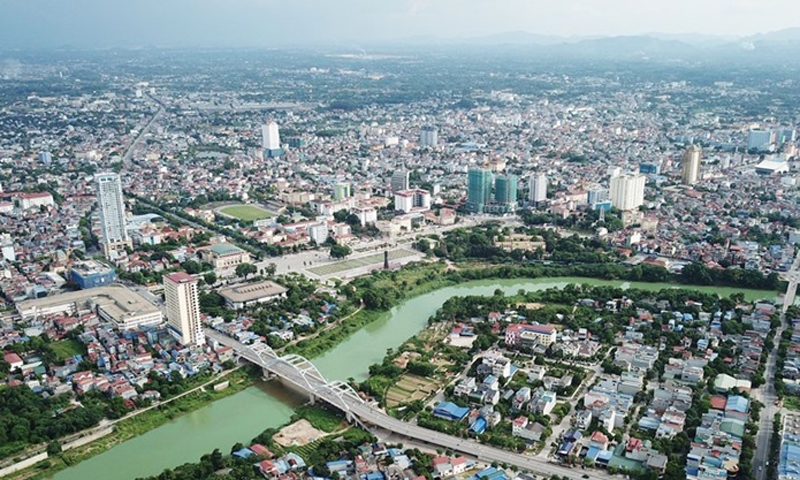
column 248, row 213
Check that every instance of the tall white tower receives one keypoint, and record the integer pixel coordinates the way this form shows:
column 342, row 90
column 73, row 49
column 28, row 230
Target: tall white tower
column 270, row 136
column 690, row 173
column 112, row 214
column 627, row 191
column 183, row 308
column 537, row 188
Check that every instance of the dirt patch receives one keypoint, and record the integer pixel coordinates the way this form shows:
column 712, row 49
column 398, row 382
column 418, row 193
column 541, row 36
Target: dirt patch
column 298, row 434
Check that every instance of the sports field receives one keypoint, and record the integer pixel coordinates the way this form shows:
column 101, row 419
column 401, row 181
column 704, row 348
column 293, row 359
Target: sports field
column 248, row 213
column 369, row 260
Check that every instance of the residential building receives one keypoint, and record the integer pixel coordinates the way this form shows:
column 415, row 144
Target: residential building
column 505, row 196
column 479, row 189
column 36, row 200
column 400, row 180
column 537, row 188
column 318, row 233
column 113, row 235
column 627, row 191
column 428, row 136
column 760, row 140
column 690, row 172
column 183, row 308
column 341, row 191
column 412, row 200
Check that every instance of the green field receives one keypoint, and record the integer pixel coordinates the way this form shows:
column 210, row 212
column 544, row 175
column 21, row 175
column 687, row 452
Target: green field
column 247, row 213
column 65, row 349
column 345, row 265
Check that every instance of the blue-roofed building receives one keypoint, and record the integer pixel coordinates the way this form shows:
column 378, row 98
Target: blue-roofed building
column 340, row 466
column 490, row 473
column 244, row 453
column 372, row 476
column 450, row 411
column 478, row 427
column 737, row 403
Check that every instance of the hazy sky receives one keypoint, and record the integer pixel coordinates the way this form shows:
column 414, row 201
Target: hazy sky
column 100, row 23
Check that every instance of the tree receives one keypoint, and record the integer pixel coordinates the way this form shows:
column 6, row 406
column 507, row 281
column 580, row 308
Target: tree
column 245, row 269
column 210, row 278
column 340, row 251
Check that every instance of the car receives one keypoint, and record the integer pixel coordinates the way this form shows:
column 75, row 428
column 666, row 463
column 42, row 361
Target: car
column 585, row 476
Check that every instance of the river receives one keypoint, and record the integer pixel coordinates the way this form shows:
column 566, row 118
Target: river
column 243, row 416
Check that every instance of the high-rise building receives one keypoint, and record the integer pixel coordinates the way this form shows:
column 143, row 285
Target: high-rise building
column 270, row 136
column 45, row 158
column 400, row 180
column 760, row 140
column 479, row 189
column 341, row 191
column 318, row 233
column 183, row 308
column 690, row 172
column 786, row 135
column 505, row 192
column 114, row 237
column 428, row 136
column 537, row 188
column 627, row 191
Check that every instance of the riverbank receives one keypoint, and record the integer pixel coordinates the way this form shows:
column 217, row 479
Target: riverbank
column 139, row 422
column 394, row 287
column 347, row 350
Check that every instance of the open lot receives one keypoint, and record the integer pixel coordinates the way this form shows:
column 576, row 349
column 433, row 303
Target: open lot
column 410, row 388
column 247, row 213
column 68, row 348
column 298, row 433
column 375, row 259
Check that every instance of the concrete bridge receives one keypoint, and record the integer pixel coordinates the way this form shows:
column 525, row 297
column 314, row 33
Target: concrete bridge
column 302, row 375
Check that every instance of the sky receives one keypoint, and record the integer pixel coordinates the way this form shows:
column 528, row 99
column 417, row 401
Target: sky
column 266, row 23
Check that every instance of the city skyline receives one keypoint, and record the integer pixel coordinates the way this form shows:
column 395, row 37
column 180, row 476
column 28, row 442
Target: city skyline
column 351, row 23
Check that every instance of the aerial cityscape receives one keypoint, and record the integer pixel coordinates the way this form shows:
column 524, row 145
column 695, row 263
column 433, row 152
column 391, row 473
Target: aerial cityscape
column 406, row 251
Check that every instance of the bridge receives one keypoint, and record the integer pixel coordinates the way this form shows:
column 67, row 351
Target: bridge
column 302, row 375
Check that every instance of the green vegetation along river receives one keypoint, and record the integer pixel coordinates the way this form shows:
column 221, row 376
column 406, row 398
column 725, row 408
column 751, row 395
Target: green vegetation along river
column 244, row 415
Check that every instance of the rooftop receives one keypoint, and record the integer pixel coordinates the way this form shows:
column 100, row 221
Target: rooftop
column 116, row 300
column 225, row 249
column 251, row 291
column 179, row 277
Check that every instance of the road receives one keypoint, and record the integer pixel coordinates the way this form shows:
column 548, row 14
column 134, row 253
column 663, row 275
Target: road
column 129, row 152
column 302, row 375
column 766, row 395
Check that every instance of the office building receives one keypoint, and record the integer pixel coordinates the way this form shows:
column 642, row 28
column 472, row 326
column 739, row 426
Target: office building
column 537, row 188
column 760, row 140
column 412, row 200
column 690, row 173
column 505, row 193
column 341, row 191
column 649, row 168
column 114, row 237
column 91, row 274
column 183, row 308
column 428, row 136
column 45, row 158
column 479, row 189
column 627, row 191
column 400, row 180
column 124, row 308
